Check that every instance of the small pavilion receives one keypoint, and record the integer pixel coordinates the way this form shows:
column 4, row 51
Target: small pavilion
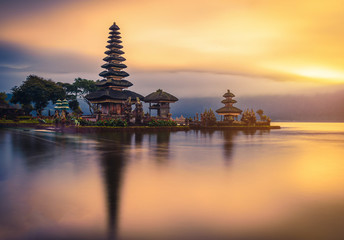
column 160, row 101
column 228, row 111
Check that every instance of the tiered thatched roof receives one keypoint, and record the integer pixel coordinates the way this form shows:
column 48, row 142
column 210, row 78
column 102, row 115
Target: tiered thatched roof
column 228, row 109
column 113, row 94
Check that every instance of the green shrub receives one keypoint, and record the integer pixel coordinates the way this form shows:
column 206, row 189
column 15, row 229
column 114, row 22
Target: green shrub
column 208, row 118
column 84, row 122
column 100, row 123
column 24, row 117
column 249, row 117
column 105, row 123
column 162, row 123
column 49, row 121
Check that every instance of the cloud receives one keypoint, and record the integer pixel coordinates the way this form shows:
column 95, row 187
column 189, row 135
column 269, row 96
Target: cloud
column 20, row 58
column 14, row 8
column 12, row 55
column 251, row 41
column 201, row 84
column 17, row 62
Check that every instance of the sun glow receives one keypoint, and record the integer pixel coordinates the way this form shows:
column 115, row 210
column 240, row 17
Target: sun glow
column 322, row 73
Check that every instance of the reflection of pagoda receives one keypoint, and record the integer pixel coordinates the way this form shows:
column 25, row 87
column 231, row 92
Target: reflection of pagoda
column 228, row 144
column 112, row 95
column 113, row 158
column 160, row 143
column 228, row 111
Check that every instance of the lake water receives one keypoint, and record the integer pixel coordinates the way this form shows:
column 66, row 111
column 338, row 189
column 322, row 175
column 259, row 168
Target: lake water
column 286, row 183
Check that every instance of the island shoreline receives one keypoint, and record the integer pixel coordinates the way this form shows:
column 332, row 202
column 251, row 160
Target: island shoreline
column 90, row 129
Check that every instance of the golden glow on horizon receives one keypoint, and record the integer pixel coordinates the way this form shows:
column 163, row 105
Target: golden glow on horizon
column 322, row 73
column 219, row 36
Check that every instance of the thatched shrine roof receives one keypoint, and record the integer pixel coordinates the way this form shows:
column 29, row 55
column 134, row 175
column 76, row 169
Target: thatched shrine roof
column 113, row 94
column 114, row 45
column 113, row 73
column 114, row 41
column 114, row 37
column 115, row 65
column 114, row 33
column 228, row 94
column 116, row 51
column 114, row 58
column 224, row 101
column 114, row 27
column 160, row 96
column 229, row 110
column 117, row 83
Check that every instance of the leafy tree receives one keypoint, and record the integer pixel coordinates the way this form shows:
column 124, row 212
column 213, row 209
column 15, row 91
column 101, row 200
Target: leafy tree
column 260, row 113
column 71, row 90
column 79, row 89
column 208, row 118
column 73, row 104
column 3, row 97
column 84, row 87
column 27, row 108
column 38, row 91
column 249, row 117
column 263, row 117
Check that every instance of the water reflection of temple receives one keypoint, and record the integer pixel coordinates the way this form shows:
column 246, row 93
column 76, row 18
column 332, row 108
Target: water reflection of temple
column 229, row 137
column 228, row 144
column 113, row 148
column 114, row 152
column 159, row 144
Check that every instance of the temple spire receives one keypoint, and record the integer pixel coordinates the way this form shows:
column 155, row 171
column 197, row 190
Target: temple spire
column 114, row 74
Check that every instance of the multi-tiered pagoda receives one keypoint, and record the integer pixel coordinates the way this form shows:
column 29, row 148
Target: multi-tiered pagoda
column 112, row 93
column 228, row 111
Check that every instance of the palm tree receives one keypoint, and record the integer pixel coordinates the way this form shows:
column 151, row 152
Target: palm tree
column 260, row 112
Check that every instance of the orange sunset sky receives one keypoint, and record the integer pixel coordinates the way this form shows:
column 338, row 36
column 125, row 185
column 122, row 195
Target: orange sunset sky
column 190, row 48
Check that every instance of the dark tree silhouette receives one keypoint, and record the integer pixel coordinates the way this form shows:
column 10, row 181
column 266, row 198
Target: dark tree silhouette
column 38, row 91
column 79, row 89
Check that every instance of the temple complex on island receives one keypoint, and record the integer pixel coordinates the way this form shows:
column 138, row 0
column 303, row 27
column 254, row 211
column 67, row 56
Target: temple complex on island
column 161, row 102
column 228, row 111
column 111, row 97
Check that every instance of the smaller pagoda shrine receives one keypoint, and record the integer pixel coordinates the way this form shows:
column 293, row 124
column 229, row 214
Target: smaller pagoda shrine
column 228, row 111
column 160, row 101
column 62, row 105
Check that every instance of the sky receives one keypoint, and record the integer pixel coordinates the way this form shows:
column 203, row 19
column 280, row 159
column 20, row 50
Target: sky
column 188, row 48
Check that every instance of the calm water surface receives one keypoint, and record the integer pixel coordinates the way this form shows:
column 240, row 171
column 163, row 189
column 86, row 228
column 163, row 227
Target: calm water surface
column 183, row 185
